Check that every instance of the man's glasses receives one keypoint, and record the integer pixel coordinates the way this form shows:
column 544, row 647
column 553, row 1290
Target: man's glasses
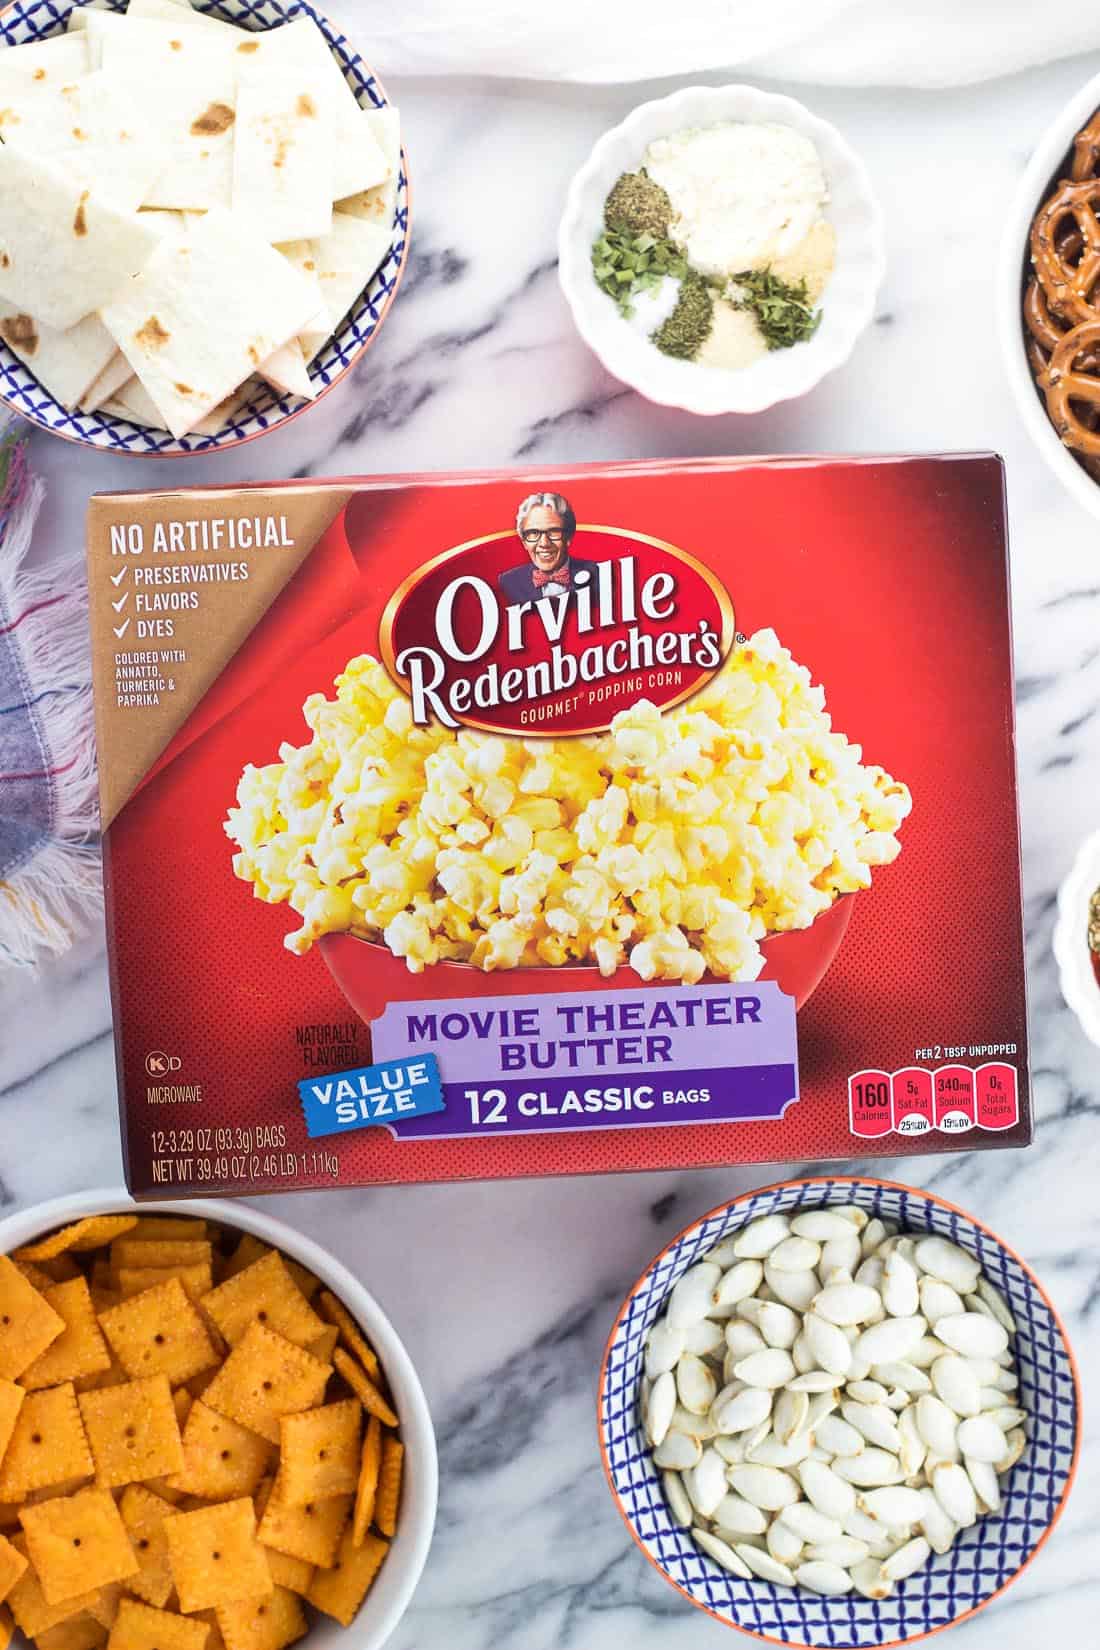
column 552, row 535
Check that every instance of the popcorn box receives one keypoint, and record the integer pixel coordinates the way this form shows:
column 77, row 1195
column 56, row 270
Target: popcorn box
column 642, row 816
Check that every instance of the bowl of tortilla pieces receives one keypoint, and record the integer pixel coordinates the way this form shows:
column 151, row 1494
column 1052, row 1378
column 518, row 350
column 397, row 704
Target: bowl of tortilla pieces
column 204, row 218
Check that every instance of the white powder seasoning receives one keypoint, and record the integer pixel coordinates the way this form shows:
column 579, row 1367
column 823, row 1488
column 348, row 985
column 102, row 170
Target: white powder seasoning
column 742, row 194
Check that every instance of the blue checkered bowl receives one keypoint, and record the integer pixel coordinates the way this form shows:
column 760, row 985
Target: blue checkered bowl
column 29, row 20
column 984, row 1560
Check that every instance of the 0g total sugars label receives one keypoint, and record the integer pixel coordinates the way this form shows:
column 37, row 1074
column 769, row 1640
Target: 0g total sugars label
column 592, row 1059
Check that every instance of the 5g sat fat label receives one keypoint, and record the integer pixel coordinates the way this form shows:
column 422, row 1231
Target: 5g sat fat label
column 951, row 1099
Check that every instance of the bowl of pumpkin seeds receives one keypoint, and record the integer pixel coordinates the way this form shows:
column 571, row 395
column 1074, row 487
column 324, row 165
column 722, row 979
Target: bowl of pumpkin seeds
column 839, row 1412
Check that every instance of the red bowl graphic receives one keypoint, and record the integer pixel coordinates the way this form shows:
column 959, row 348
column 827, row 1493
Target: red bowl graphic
column 370, row 976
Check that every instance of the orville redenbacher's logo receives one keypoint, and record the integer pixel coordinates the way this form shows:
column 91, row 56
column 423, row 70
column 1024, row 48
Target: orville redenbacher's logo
column 552, row 627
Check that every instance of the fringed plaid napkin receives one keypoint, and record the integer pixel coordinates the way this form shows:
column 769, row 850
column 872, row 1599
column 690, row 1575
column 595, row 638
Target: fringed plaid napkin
column 50, row 883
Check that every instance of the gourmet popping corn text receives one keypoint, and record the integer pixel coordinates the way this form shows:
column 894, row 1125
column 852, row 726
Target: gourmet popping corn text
column 674, row 842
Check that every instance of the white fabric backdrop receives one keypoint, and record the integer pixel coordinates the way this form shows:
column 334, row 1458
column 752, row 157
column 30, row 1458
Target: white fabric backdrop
column 839, row 42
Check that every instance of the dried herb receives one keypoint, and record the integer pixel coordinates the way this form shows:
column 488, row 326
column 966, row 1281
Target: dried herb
column 1094, row 924
column 686, row 329
column 783, row 311
column 638, row 204
column 625, row 263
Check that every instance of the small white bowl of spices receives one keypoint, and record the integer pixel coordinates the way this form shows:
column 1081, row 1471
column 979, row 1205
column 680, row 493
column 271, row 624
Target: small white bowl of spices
column 721, row 249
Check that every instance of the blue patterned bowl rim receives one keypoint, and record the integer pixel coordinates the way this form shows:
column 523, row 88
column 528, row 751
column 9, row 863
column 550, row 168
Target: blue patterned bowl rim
column 984, row 1561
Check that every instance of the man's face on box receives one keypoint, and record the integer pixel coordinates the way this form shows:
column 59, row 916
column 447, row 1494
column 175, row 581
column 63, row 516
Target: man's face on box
column 543, row 535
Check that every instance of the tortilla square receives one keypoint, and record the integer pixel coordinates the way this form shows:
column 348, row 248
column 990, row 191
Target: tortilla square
column 93, row 130
column 264, row 1378
column 319, row 1454
column 43, row 64
column 12, row 1565
column 48, row 1445
column 311, row 1533
column 293, row 1573
column 340, row 1591
column 63, row 251
column 184, row 82
column 179, row 11
column 379, row 204
column 159, row 1332
column 103, row 386
column 28, row 1605
column 347, row 259
column 283, row 150
column 300, row 48
column 143, row 1513
column 203, row 314
column 140, row 1627
column 366, row 1490
column 80, row 1348
column 77, row 1542
column 28, row 1323
column 263, row 1624
column 215, row 1556
column 372, row 1400
column 352, row 1336
column 132, row 1430
column 80, row 1632
column 222, row 1460
column 266, row 1293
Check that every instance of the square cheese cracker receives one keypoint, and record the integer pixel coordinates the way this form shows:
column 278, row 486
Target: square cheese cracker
column 283, row 156
column 203, row 314
column 94, row 131
column 64, row 252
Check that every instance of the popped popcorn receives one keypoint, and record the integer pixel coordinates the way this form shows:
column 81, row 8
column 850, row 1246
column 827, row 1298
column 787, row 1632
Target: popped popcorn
column 675, row 842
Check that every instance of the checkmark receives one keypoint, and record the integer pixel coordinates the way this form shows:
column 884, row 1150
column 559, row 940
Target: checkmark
column 121, row 629
column 121, row 603
column 117, row 578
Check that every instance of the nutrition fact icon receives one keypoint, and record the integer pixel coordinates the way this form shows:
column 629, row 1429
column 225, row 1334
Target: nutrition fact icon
column 951, row 1098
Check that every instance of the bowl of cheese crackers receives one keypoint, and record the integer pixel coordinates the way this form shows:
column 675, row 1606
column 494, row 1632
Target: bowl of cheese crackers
column 210, row 1436
column 203, row 218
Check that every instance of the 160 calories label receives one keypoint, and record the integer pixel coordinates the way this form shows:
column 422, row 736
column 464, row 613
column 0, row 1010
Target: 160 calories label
column 951, row 1098
column 592, row 1059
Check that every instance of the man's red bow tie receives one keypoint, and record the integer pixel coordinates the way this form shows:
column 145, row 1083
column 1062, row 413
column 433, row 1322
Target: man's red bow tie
column 560, row 575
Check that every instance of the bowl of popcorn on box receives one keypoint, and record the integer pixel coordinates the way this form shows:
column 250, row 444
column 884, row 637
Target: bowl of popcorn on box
column 209, row 1432
column 204, row 219
column 560, row 863
column 839, row 1411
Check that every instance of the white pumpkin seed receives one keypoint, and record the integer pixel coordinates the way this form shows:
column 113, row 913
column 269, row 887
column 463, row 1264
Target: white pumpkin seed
column 851, row 1212
column 981, row 1438
column 874, row 1235
column 868, row 1392
column 938, row 1529
column 845, row 1550
column 744, row 1410
column 769, row 1369
column 826, row 1490
column 663, row 1347
column 938, row 1425
column 756, row 1436
column 783, row 1543
column 900, row 1292
column 863, row 1527
column 802, row 1353
column 871, row 1469
column 723, row 1254
column 743, row 1338
column 913, row 1450
column 896, row 1506
column 954, row 1491
column 925, row 1353
column 875, row 1422
column 795, row 1254
column 659, row 1407
column 829, row 1344
column 946, row 1261
column 902, row 1375
column 1006, row 1380
column 820, row 1225
column 706, row 1482
column 703, row 1338
column 997, row 1304
column 691, row 1297
column 1017, row 1443
column 983, row 1476
column 839, row 1437
column 794, row 1289
column 695, row 1384
column 907, row 1559
column 731, row 1449
column 765, row 1566
column 814, row 1380
column 742, row 1280
column 846, row 1303
column 1008, row 1417
column 867, row 1578
column 736, row 1517
column 769, row 1452
column 809, row 1524
column 678, row 1451
column 972, row 1335
column 696, row 1426
column 890, row 1341
column 956, row 1384
column 790, row 1415
column 779, row 1326
column 840, row 1254
column 939, row 1300
column 831, row 1580
column 679, row 1502
column 760, row 1237
column 768, row 1487
column 721, row 1553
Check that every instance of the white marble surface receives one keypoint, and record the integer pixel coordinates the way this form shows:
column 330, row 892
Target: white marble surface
column 504, row 1293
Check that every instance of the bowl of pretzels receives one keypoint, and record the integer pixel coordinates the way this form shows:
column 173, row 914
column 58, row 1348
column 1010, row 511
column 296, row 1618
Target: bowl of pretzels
column 1049, row 296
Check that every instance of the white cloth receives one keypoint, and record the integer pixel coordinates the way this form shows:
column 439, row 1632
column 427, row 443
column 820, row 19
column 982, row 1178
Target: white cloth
column 832, row 42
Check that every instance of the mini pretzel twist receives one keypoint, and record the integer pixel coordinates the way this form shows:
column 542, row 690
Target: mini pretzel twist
column 1068, row 282
column 1086, row 151
column 1073, row 394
